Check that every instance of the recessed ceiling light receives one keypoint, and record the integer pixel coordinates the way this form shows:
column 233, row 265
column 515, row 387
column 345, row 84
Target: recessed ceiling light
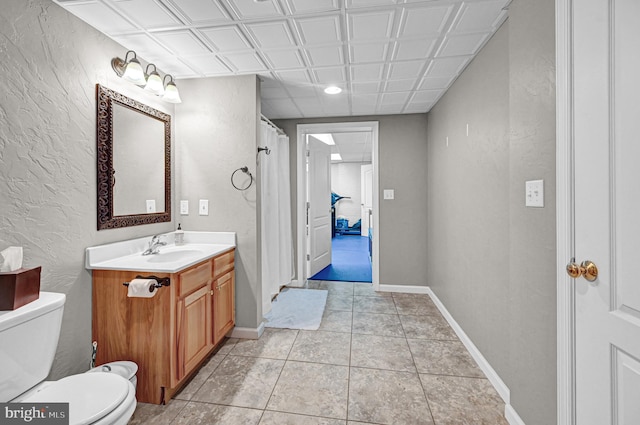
column 332, row 90
column 325, row 138
column 336, row 157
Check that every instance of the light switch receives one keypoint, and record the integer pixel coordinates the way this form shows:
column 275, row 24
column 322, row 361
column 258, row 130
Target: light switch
column 151, row 206
column 534, row 193
column 204, row 207
column 389, row 194
column 184, row 207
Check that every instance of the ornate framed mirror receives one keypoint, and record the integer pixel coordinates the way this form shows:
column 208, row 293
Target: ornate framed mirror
column 134, row 162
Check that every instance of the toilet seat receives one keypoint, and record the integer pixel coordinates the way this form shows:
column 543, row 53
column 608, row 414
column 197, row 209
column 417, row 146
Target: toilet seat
column 91, row 396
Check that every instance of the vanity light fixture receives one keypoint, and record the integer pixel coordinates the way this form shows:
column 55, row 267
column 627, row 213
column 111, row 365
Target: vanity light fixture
column 130, row 70
column 154, row 82
column 333, row 90
column 171, row 93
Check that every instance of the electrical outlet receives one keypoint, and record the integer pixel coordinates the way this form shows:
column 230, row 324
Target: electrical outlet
column 534, row 193
column 204, row 207
column 184, row 207
column 151, row 206
column 389, row 194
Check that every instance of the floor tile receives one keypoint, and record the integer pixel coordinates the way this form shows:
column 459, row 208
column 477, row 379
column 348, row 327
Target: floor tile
column 380, row 305
column 279, row 418
column 455, row 400
column 205, row 414
column 339, row 302
column 273, row 344
column 387, row 397
column 311, row 389
column 381, row 352
column 334, row 288
column 427, row 327
column 336, row 321
column 443, row 358
column 322, row 347
column 416, row 304
column 366, row 290
column 228, row 345
column 154, row 414
column 241, row 381
column 377, row 324
column 200, row 377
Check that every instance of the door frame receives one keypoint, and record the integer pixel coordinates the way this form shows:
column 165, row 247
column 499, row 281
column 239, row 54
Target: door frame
column 304, row 129
column 565, row 179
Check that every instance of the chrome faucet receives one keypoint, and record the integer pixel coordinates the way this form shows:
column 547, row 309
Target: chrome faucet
column 154, row 244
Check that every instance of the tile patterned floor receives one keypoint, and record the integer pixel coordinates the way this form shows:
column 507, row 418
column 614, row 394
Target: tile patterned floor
column 378, row 358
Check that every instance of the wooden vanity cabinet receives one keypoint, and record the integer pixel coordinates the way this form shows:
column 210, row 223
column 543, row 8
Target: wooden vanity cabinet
column 171, row 334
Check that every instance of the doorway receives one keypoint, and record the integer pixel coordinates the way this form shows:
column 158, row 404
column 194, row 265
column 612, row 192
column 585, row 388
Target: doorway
column 303, row 130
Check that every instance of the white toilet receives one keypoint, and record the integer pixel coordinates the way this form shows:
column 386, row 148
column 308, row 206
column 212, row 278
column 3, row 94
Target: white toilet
column 28, row 340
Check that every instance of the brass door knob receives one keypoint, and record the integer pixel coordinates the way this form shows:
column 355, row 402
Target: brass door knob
column 588, row 269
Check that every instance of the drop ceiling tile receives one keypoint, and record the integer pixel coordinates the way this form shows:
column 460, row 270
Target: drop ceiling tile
column 478, row 16
column 435, row 83
column 399, row 98
column 285, row 59
column 399, row 85
column 144, row 45
column 367, row 3
column 101, row 17
column 414, row 49
column 387, row 109
column 370, row 26
column 198, row 11
column 443, row 67
column 334, row 75
column 182, row 43
column 364, row 110
column 207, row 65
column 301, row 76
column 226, row 39
column 459, row 45
column 425, row 96
column 373, row 52
column 320, row 30
column 269, row 81
column 371, row 72
column 364, row 100
column 305, row 6
column 310, row 107
column 244, row 62
column 325, row 56
column 365, row 88
column 177, row 69
column 273, row 93
column 270, row 35
column 298, row 90
column 285, row 108
column 406, row 70
column 421, row 21
column 418, row 108
column 148, row 13
column 255, row 9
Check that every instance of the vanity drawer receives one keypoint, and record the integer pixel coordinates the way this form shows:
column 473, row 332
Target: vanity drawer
column 223, row 263
column 195, row 278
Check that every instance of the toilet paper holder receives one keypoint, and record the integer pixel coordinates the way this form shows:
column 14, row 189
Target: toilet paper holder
column 162, row 281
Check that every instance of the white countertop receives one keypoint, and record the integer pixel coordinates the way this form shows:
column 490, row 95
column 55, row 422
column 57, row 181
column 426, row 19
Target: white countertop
column 127, row 255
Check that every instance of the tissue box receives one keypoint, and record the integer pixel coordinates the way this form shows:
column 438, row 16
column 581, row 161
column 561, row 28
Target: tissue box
column 19, row 287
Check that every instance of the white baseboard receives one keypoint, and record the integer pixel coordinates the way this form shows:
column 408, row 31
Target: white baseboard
column 247, row 333
column 503, row 391
column 406, row 289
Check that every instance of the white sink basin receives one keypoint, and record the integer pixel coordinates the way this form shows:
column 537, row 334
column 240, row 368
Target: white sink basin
column 171, row 254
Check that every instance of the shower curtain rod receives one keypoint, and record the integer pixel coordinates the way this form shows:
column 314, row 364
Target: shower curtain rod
column 268, row 121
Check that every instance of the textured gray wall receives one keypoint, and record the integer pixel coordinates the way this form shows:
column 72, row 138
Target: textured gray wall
column 218, row 122
column 402, row 166
column 491, row 259
column 50, row 64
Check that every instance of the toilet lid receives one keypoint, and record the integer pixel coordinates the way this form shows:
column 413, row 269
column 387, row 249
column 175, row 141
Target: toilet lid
column 91, row 396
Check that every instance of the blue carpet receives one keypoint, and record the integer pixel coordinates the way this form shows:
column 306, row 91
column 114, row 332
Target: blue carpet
column 349, row 260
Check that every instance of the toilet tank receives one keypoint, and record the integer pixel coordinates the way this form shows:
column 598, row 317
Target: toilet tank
column 28, row 340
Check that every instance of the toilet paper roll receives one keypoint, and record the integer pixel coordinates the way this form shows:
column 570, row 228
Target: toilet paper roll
column 11, row 259
column 142, row 288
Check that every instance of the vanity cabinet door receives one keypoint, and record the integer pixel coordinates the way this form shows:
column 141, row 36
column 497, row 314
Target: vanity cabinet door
column 223, row 305
column 193, row 329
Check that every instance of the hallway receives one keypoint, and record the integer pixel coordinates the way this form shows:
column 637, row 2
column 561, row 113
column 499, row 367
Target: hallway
column 378, row 358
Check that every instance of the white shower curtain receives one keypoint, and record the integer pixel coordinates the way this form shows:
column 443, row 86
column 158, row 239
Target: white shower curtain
column 275, row 201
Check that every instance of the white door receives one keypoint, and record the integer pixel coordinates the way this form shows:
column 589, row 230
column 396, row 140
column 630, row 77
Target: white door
column 606, row 102
column 319, row 205
column 366, row 195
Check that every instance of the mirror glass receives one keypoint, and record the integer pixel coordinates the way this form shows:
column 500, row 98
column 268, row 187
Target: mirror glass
column 134, row 157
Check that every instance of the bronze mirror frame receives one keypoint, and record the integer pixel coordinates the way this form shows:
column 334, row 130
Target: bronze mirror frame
column 106, row 220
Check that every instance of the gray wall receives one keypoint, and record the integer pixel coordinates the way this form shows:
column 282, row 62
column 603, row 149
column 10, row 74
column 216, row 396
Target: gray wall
column 217, row 123
column 491, row 260
column 402, row 166
column 51, row 62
